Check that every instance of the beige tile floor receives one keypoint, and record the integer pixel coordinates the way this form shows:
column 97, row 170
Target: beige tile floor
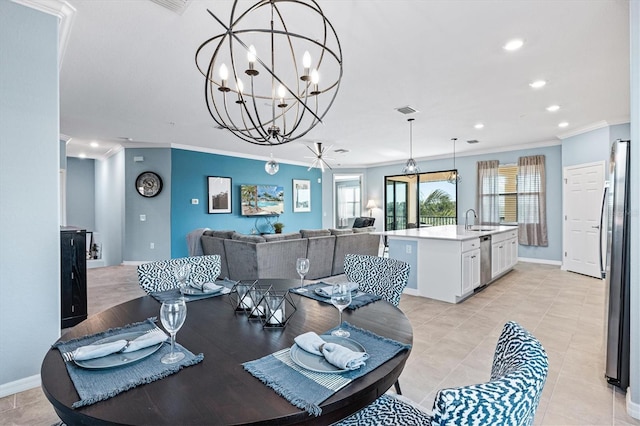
column 454, row 344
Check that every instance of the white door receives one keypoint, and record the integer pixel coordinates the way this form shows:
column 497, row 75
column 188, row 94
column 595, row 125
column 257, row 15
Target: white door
column 582, row 195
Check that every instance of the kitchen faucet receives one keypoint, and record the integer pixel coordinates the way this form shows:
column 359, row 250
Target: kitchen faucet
column 466, row 218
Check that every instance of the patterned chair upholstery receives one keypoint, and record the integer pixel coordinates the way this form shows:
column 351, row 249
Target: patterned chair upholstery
column 378, row 275
column 518, row 375
column 511, row 397
column 159, row 276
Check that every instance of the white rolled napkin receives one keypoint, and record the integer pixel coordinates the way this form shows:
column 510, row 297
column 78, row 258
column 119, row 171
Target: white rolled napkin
column 206, row 287
column 338, row 355
column 103, row 349
column 96, row 351
column 326, row 291
column 146, row 340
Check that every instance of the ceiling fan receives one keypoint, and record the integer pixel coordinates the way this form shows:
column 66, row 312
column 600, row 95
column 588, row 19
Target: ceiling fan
column 319, row 160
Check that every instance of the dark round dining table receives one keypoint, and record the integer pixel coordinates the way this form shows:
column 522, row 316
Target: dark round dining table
column 218, row 390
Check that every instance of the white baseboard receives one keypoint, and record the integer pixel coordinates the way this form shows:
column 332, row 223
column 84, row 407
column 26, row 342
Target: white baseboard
column 20, row 385
column 543, row 261
column 411, row 291
column 95, row 263
column 134, row 262
column 633, row 409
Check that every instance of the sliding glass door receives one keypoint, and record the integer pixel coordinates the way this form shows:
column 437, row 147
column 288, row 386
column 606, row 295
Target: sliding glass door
column 428, row 200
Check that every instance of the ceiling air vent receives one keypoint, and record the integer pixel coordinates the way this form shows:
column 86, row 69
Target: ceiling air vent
column 176, row 6
column 472, row 141
column 406, row 110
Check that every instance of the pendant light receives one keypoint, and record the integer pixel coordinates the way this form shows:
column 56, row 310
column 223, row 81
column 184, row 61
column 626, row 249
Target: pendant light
column 410, row 169
column 454, row 177
column 271, row 166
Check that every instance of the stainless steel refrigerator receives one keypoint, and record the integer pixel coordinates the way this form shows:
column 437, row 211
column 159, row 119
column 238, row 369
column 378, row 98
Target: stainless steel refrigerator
column 615, row 211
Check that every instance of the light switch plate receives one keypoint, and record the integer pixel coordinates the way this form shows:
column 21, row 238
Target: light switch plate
column 143, row 217
column 195, row 201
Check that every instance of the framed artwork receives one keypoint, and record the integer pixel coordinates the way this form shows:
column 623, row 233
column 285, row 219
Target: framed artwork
column 219, row 194
column 301, row 196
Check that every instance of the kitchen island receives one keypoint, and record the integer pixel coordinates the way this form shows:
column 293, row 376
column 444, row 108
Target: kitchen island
column 449, row 262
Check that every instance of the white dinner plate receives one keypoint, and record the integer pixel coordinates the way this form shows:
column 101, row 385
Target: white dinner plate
column 318, row 363
column 119, row 359
column 192, row 291
column 317, row 291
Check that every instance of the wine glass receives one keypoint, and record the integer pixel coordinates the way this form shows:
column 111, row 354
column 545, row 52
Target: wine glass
column 302, row 266
column 172, row 314
column 340, row 298
column 181, row 273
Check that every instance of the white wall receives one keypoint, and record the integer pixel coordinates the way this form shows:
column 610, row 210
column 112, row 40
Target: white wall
column 81, row 210
column 110, row 207
column 29, row 206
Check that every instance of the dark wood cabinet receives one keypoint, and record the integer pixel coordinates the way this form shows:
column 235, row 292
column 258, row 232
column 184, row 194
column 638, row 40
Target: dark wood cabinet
column 73, row 275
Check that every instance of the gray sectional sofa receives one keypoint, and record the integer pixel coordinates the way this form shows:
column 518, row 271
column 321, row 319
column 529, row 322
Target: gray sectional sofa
column 247, row 257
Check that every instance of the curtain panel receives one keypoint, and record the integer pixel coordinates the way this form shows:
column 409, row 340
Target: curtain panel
column 487, row 193
column 532, row 201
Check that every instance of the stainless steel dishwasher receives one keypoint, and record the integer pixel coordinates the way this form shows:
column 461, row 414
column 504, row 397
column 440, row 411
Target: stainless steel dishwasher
column 485, row 259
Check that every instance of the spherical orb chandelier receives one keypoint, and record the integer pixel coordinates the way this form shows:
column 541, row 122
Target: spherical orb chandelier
column 274, row 72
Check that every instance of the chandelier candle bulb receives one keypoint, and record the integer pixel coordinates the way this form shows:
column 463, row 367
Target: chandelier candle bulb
column 240, row 90
column 281, row 95
column 306, row 64
column 224, row 75
column 315, row 78
column 251, row 57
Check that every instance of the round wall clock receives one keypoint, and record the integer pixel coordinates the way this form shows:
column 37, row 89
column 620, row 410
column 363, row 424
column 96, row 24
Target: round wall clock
column 148, row 184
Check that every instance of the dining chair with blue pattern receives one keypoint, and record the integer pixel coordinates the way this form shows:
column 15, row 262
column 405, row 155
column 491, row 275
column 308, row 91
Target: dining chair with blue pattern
column 160, row 276
column 510, row 397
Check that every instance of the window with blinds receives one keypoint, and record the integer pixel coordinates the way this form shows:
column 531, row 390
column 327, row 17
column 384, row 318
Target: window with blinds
column 508, row 193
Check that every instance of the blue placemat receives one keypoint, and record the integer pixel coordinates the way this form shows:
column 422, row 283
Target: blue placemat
column 361, row 299
column 97, row 385
column 307, row 390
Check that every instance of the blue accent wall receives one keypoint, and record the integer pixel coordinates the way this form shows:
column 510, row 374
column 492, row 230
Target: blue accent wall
column 189, row 171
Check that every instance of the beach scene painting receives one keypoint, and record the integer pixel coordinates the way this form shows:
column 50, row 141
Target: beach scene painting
column 262, row 200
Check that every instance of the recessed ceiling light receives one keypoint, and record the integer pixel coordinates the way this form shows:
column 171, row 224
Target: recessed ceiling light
column 95, row 144
column 563, row 124
column 479, row 126
column 537, row 84
column 553, row 108
column 82, row 155
column 514, row 44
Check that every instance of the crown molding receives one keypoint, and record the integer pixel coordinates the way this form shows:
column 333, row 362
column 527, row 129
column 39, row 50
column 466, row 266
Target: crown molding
column 65, row 14
column 593, row 126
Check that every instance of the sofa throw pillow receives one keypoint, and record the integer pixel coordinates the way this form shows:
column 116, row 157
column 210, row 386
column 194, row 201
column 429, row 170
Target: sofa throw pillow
column 308, row 233
column 219, row 234
column 248, row 238
column 363, row 230
column 341, row 231
column 292, row 236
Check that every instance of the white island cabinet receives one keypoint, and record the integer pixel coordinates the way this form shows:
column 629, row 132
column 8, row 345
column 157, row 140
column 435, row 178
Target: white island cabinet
column 447, row 261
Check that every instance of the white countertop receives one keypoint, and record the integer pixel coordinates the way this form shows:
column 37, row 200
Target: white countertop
column 448, row 232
